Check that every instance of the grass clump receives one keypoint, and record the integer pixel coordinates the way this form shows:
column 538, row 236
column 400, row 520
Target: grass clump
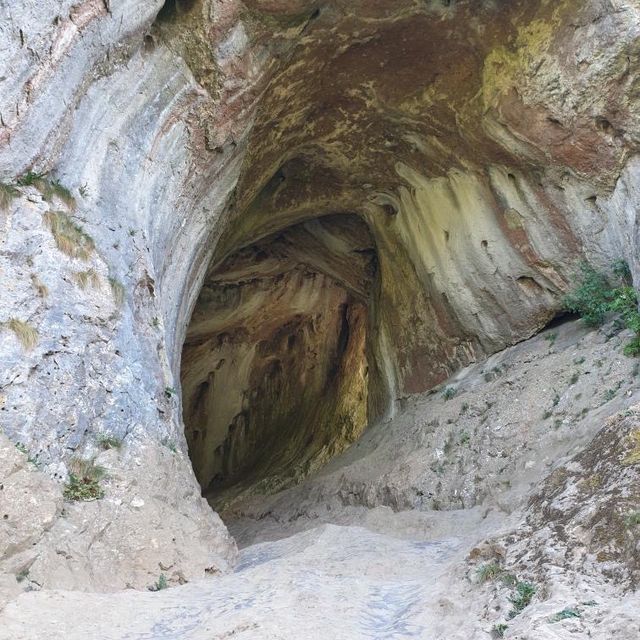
column 117, row 291
column 565, row 614
column 160, row 584
column 54, row 188
column 632, row 519
column 7, row 194
column 84, row 278
column 489, row 571
column 32, row 179
column 84, row 481
column 521, row 598
column 26, row 334
column 48, row 188
column 109, row 442
column 41, row 288
column 68, row 236
column 498, row 630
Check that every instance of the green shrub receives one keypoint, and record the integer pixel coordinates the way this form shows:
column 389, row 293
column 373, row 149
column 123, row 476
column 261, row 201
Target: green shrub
column 595, row 297
column 591, row 298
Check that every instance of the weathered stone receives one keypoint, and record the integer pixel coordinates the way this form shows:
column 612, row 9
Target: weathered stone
column 290, row 216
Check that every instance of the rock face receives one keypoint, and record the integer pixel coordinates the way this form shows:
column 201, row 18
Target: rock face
column 235, row 234
column 361, row 551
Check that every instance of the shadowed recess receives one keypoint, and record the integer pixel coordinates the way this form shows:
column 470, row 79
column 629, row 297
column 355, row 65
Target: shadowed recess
column 275, row 371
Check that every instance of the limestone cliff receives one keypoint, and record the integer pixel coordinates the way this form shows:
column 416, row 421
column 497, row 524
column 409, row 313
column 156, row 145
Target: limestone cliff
column 234, row 235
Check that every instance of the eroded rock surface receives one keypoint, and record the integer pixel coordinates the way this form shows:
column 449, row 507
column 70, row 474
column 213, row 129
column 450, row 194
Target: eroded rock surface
column 238, row 238
column 346, row 565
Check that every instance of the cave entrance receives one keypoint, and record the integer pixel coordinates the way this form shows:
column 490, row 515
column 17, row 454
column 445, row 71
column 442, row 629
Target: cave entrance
column 275, row 373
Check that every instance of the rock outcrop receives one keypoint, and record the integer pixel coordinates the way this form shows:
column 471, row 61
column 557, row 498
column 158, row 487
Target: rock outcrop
column 236, row 234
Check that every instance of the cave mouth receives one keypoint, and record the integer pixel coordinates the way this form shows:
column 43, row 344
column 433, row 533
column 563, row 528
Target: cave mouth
column 275, row 364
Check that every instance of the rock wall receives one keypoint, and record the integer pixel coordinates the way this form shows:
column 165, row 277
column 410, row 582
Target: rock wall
column 487, row 146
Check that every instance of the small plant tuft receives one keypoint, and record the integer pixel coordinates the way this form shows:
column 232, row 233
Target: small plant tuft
column 32, row 179
column 48, row 188
column 498, row 630
column 449, row 393
column 26, row 334
column 109, row 442
column 565, row 614
column 84, row 481
column 23, row 449
column 7, row 194
column 22, row 575
column 524, row 592
column 489, row 571
column 68, row 236
column 160, row 584
column 54, row 188
column 84, row 278
column 117, row 291
column 41, row 288
column 632, row 519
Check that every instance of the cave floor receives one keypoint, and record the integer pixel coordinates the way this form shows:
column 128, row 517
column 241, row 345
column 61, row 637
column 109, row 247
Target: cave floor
column 378, row 544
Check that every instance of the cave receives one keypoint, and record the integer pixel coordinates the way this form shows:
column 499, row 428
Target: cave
column 275, row 365
column 283, row 320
